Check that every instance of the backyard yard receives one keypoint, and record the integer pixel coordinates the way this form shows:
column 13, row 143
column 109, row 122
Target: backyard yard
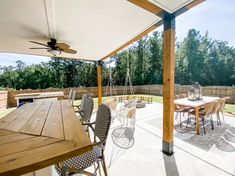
column 229, row 108
column 208, row 151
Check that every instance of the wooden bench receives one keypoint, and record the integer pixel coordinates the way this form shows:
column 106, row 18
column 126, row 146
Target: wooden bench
column 148, row 99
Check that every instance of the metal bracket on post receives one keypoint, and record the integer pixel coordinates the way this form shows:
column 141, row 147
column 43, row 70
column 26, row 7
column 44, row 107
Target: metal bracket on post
column 167, row 148
column 169, row 21
column 99, row 63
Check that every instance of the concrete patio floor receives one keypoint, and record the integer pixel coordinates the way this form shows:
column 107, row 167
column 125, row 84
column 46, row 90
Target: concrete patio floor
column 194, row 154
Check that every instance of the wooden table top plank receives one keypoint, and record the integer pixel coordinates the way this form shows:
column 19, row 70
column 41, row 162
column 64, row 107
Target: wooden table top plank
column 35, row 124
column 72, row 127
column 25, row 144
column 18, row 123
column 13, row 138
column 5, row 132
column 197, row 103
column 21, row 163
column 13, row 115
column 54, row 125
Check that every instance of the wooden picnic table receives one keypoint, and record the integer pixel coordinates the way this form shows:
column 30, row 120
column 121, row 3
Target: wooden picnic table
column 38, row 135
column 197, row 104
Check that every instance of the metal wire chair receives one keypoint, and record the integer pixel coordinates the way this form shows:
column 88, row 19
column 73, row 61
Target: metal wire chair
column 80, row 108
column 79, row 163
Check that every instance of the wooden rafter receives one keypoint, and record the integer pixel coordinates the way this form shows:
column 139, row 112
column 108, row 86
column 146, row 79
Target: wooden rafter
column 194, row 3
column 147, row 6
column 150, row 29
column 187, row 7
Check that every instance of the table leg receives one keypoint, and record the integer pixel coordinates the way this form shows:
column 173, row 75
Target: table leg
column 17, row 102
column 197, row 120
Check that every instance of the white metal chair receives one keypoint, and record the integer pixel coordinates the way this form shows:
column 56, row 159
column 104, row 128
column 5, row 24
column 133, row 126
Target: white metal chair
column 127, row 113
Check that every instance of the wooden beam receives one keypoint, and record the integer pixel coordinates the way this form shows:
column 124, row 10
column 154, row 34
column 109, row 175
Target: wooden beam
column 194, row 3
column 148, row 6
column 145, row 4
column 99, row 79
column 138, row 37
column 187, row 7
column 168, row 84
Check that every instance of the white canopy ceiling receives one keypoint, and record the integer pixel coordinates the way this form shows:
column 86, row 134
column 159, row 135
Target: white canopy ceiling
column 94, row 28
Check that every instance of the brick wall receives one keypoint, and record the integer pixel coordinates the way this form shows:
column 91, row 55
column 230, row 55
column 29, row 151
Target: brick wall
column 220, row 91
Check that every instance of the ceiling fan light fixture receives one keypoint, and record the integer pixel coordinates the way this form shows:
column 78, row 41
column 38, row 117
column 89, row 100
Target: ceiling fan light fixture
column 54, row 52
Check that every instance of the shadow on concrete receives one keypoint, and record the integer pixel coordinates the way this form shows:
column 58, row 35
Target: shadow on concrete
column 170, row 165
column 123, row 139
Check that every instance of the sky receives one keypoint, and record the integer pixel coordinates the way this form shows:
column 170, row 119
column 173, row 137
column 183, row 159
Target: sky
column 214, row 16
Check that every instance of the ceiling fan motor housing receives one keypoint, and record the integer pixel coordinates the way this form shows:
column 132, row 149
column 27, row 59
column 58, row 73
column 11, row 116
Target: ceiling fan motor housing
column 52, row 44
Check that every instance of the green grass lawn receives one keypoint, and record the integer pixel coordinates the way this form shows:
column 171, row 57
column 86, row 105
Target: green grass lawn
column 156, row 99
column 229, row 108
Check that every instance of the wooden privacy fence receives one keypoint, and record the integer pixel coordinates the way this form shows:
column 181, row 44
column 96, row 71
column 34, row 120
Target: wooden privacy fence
column 3, row 100
column 220, row 91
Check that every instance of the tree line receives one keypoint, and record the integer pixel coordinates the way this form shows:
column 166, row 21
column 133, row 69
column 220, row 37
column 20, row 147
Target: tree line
column 198, row 58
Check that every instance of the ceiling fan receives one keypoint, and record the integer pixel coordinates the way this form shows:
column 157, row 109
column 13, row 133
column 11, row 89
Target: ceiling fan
column 55, row 48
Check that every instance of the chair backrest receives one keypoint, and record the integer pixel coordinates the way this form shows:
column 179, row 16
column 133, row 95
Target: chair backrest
column 102, row 123
column 83, row 100
column 222, row 102
column 216, row 107
column 112, row 103
column 209, row 108
column 87, row 109
column 74, row 95
column 70, row 94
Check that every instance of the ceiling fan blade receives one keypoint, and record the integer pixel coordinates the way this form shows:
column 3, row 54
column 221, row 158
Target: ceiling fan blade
column 62, row 45
column 70, row 51
column 39, row 48
column 39, row 43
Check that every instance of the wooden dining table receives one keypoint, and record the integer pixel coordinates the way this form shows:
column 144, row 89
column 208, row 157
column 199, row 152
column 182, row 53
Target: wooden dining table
column 196, row 104
column 40, row 134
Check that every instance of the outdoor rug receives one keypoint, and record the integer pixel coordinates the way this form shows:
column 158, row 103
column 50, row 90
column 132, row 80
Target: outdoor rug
column 222, row 137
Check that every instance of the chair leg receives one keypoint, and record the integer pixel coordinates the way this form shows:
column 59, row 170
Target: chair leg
column 176, row 116
column 104, row 166
column 212, row 123
column 188, row 120
column 223, row 115
column 203, row 123
column 99, row 168
column 180, row 120
column 218, row 118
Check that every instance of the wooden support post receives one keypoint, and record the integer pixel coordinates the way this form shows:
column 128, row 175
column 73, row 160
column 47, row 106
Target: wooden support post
column 168, row 84
column 99, row 80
